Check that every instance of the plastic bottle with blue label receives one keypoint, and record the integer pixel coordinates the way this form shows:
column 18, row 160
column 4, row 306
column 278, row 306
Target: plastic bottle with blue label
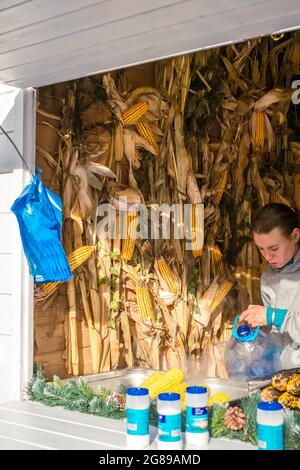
column 270, row 426
column 169, row 421
column 196, row 433
column 138, row 412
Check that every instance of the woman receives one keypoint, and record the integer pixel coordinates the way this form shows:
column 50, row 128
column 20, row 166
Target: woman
column 276, row 233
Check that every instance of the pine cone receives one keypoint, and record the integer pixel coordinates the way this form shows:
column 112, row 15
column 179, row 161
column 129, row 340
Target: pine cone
column 234, row 418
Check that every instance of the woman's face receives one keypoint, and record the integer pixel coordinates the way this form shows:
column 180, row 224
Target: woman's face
column 277, row 248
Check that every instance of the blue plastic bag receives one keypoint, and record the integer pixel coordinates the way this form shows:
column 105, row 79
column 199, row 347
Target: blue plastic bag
column 39, row 214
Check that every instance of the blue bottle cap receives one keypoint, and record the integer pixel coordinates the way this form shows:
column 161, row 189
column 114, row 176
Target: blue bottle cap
column 169, row 396
column 137, row 391
column 196, row 389
column 269, row 406
column 244, row 331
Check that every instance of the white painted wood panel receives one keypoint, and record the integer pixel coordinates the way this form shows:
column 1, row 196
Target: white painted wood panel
column 6, row 358
column 35, row 426
column 6, row 388
column 6, row 314
column 71, row 432
column 8, row 190
column 154, row 21
column 80, row 20
column 6, row 219
column 44, row 43
column 37, row 11
column 15, row 284
column 6, row 273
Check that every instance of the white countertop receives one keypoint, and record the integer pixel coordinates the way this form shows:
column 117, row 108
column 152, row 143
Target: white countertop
column 33, row 426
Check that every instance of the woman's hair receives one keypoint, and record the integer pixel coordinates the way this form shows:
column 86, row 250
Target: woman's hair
column 276, row 215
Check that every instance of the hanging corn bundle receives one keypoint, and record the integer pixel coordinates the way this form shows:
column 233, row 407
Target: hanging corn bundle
column 222, row 292
column 220, row 187
column 144, row 129
column 168, row 279
column 217, row 260
column 257, row 126
column 145, row 303
column 134, row 113
column 165, row 272
column 75, row 259
column 128, row 244
column 197, row 229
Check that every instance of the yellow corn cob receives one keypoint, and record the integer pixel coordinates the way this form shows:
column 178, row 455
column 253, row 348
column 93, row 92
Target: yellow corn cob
column 197, row 231
column 218, row 398
column 288, row 400
column 75, row 259
column 128, row 244
column 134, row 113
column 221, row 294
column 144, row 303
column 171, row 378
column 294, row 385
column 153, row 378
column 166, row 273
column 221, row 185
column 79, row 256
column 218, row 261
column 259, row 131
column 180, row 388
column 144, row 129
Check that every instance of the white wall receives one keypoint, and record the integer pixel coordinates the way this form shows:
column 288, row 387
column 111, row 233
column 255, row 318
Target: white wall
column 16, row 325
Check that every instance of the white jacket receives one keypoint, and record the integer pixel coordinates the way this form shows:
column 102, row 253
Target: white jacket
column 280, row 289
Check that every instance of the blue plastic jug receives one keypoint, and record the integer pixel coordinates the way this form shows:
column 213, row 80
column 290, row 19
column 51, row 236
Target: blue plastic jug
column 250, row 353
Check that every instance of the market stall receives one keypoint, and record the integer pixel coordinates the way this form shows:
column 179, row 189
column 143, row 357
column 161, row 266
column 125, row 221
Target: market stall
column 214, row 133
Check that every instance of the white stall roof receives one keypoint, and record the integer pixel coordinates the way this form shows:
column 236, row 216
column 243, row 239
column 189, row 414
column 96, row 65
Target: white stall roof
column 44, row 42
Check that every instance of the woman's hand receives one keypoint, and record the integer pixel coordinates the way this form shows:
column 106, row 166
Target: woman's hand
column 255, row 315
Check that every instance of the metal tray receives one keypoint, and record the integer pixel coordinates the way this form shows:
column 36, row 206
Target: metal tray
column 134, row 377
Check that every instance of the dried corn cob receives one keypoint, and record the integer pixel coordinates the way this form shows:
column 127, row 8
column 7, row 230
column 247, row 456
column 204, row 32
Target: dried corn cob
column 223, row 290
column 218, row 398
column 128, row 244
column 153, row 378
column 281, row 379
column 166, row 274
column 134, row 113
column 220, row 187
column 171, row 378
column 259, row 123
column 144, row 129
column 218, row 260
column 270, row 394
column 293, row 385
column 144, row 303
column 197, row 229
column 288, row 400
column 76, row 259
